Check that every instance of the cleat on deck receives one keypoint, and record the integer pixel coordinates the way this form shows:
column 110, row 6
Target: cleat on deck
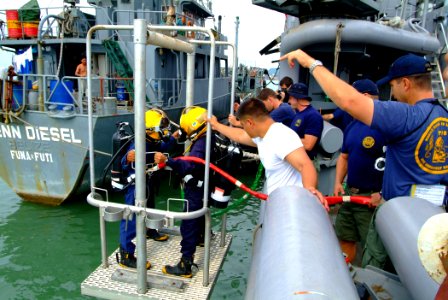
column 183, row 268
column 156, row 236
column 128, row 260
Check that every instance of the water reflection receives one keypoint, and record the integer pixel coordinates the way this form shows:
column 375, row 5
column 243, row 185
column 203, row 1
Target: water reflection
column 46, row 252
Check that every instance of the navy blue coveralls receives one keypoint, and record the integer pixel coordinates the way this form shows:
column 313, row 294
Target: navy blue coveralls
column 191, row 230
column 126, row 236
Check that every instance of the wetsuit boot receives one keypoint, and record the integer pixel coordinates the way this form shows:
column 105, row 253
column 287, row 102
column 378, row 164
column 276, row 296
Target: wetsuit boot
column 183, row 268
column 128, row 260
column 155, row 235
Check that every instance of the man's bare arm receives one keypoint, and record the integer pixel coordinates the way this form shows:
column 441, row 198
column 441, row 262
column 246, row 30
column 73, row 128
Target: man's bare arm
column 235, row 134
column 309, row 141
column 302, row 163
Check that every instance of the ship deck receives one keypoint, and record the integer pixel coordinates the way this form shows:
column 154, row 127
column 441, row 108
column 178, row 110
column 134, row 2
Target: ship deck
column 115, row 282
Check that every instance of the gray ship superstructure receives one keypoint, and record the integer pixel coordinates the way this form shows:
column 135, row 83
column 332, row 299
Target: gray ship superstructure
column 44, row 129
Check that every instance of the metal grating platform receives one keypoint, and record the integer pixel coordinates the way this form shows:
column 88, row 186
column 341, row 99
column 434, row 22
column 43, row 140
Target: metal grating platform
column 100, row 284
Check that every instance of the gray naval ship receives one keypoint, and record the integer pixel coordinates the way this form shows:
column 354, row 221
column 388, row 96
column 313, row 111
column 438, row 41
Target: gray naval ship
column 356, row 40
column 44, row 126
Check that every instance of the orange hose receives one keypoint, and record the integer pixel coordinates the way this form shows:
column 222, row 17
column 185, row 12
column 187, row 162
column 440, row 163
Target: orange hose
column 227, row 176
column 332, row 200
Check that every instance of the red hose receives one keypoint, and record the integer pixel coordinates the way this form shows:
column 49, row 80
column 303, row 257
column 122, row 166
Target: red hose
column 233, row 180
column 332, row 200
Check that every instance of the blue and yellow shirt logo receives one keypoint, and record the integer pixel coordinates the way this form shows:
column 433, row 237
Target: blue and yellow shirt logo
column 368, row 142
column 298, row 122
column 431, row 150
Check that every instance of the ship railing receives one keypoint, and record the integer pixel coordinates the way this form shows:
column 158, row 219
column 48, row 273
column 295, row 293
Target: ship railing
column 126, row 17
column 161, row 90
column 145, row 35
column 64, row 95
column 21, row 86
column 166, row 92
column 108, row 93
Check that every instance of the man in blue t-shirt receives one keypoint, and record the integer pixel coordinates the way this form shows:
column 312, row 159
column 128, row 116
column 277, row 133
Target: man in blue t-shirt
column 308, row 122
column 415, row 128
column 279, row 111
column 361, row 148
column 338, row 118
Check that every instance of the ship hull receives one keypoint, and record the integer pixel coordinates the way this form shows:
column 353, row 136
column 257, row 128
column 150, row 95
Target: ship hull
column 45, row 159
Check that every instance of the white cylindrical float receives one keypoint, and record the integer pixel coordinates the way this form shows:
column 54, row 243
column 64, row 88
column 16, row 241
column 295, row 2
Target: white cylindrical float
column 331, row 138
column 296, row 251
column 398, row 223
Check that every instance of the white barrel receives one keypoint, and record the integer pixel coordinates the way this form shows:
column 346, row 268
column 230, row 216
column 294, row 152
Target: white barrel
column 398, row 223
column 110, row 105
column 296, row 253
column 33, row 99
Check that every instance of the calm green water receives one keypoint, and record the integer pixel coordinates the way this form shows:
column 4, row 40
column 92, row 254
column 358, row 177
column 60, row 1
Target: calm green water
column 46, row 252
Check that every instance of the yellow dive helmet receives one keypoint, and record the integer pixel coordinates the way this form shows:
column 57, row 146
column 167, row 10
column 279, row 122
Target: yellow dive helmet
column 157, row 124
column 193, row 121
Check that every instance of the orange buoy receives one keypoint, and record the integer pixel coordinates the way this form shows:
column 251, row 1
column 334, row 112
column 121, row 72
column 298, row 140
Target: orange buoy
column 30, row 29
column 14, row 25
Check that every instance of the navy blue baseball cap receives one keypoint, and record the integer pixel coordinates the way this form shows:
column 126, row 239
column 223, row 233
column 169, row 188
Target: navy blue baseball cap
column 299, row 91
column 366, row 86
column 406, row 65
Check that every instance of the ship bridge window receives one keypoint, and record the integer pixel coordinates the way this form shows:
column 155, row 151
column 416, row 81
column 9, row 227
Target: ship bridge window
column 224, row 67
column 217, row 68
column 199, row 67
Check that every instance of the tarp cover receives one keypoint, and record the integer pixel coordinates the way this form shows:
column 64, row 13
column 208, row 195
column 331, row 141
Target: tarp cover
column 30, row 11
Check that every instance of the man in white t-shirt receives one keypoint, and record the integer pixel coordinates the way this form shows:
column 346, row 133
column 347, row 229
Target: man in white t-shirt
column 280, row 149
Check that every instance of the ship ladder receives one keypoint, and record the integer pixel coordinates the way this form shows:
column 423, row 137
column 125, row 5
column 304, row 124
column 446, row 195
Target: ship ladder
column 121, row 64
column 438, row 85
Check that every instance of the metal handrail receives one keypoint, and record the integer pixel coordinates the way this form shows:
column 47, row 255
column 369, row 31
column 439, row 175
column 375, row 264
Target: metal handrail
column 144, row 34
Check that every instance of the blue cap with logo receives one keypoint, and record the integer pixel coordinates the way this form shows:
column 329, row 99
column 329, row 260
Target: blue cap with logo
column 299, row 91
column 406, row 65
column 366, row 86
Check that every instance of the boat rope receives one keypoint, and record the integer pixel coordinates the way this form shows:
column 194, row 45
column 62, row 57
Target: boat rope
column 63, row 23
column 37, row 128
column 337, row 46
column 271, row 79
column 7, row 109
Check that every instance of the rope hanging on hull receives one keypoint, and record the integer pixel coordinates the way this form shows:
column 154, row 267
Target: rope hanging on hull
column 337, row 46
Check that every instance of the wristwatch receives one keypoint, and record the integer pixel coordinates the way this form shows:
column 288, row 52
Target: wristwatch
column 314, row 65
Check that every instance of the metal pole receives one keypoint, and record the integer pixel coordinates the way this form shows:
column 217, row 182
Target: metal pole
column 104, row 260
column 237, row 26
column 91, row 148
column 40, row 71
column 207, row 155
column 208, row 222
column 425, row 11
column 403, row 8
column 223, row 230
column 40, row 60
column 224, row 216
column 235, row 64
column 211, row 78
column 140, row 147
column 190, row 79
